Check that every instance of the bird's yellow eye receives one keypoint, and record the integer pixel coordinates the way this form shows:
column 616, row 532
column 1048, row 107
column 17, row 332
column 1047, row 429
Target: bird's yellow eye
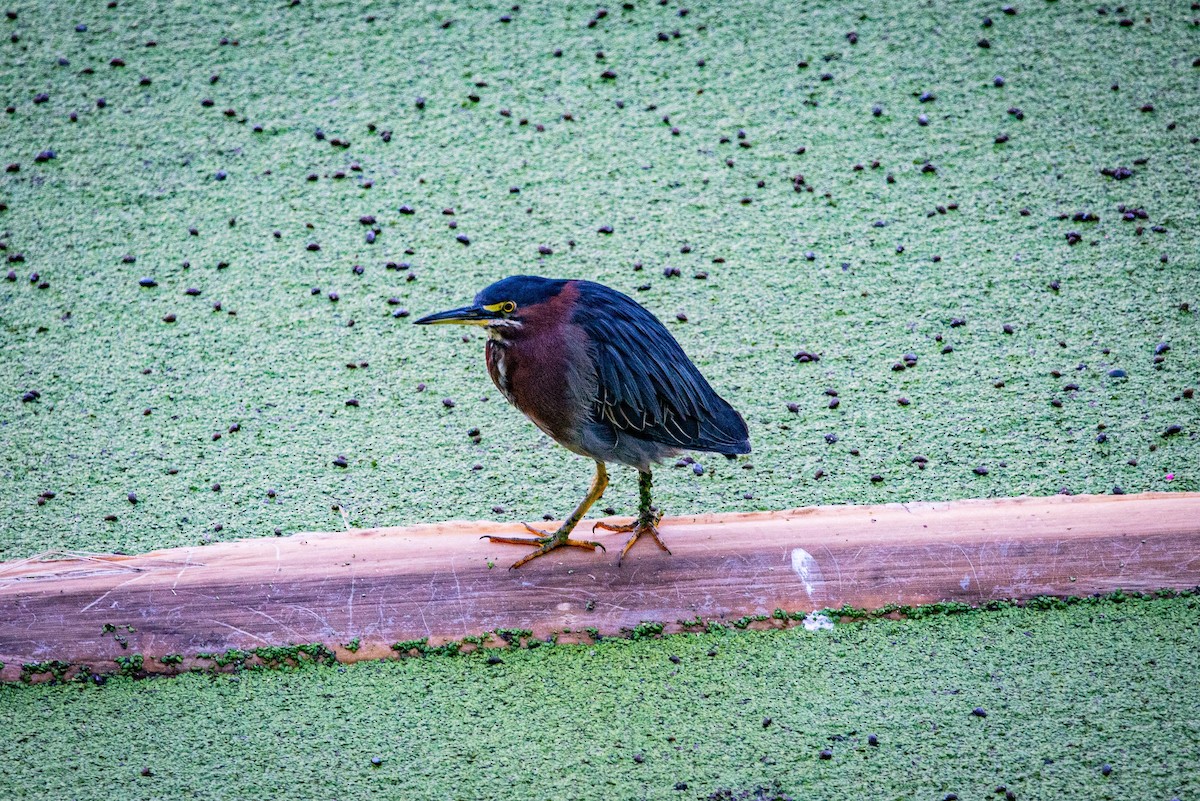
column 508, row 307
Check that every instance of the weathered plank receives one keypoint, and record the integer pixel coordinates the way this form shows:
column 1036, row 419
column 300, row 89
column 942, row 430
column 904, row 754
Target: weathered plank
column 443, row 582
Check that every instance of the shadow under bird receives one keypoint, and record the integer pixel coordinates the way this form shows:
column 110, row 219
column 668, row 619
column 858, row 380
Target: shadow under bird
column 602, row 377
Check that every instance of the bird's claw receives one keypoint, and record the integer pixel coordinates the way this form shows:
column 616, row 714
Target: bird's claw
column 546, row 543
column 643, row 527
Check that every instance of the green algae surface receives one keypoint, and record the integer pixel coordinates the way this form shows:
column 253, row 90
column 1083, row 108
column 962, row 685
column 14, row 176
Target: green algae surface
column 203, row 170
column 1063, row 693
column 211, row 403
column 689, row 155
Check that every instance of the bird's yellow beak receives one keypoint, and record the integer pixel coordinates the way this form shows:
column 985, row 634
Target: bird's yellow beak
column 467, row 315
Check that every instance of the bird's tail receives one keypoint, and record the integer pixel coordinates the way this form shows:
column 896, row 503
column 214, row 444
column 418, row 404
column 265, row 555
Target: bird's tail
column 724, row 431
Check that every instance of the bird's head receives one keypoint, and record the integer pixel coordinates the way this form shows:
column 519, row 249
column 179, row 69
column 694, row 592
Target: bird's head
column 502, row 305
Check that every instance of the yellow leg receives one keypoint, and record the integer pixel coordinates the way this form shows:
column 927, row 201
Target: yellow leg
column 549, row 541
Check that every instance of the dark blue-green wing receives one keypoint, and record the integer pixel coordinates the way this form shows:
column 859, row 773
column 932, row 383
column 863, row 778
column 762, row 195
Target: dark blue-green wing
column 647, row 386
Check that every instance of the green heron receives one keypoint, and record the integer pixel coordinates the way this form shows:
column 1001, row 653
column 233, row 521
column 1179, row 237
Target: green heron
column 605, row 379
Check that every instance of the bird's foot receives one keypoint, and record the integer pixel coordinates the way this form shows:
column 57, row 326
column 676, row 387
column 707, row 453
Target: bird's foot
column 546, row 543
column 642, row 527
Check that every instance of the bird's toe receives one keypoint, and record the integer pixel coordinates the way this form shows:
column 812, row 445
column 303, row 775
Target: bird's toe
column 645, row 528
column 620, row 528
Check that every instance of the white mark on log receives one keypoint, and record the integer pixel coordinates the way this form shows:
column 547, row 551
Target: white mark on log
column 463, row 612
column 187, row 562
column 804, row 566
column 239, row 631
column 321, row 619
column 971, row 564
column 114, row 589
column 276, row 621
column 966, row 582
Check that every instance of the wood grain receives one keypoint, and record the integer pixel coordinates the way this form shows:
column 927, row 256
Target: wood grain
column 389, row 584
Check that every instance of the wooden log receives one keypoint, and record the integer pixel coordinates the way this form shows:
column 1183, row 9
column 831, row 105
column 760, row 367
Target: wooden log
column 443, row 582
